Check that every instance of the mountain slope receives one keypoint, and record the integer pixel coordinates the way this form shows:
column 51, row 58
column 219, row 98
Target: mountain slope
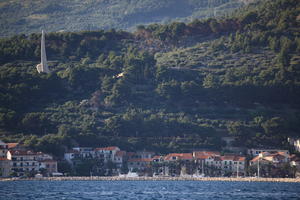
column 166, row 88
column 55, row 15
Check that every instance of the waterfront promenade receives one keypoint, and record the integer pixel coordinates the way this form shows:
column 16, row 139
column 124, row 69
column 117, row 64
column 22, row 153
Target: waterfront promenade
column 117, row 178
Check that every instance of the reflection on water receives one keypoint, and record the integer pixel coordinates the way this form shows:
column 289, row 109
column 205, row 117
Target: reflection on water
column 144, row 190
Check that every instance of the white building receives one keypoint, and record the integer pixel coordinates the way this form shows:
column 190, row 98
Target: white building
column 255, row 152
column 106, row 153
column 85, row 152
column 233, row 163
column 49, row 165
column 5, row 167
column 23, row 162
column 3, row 149
column 71, row 155
column 139, row 164
column 119, row 158
column 275, row 158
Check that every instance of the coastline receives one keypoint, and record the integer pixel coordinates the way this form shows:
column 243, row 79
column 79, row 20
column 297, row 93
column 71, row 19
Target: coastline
column 116, row 178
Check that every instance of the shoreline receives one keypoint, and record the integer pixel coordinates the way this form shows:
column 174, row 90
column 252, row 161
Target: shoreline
column 116, row 178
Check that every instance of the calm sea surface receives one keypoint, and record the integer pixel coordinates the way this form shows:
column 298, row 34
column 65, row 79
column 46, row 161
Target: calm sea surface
column 142, row 190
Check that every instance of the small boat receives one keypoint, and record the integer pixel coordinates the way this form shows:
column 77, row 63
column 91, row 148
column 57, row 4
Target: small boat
column 132, row 175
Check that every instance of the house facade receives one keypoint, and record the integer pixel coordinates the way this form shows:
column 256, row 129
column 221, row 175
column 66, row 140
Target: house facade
column 23, row 162
column 3, row 149
column 50, row 166
column 5, row 167
column 120, row 158
column 85, row 152
column 139, row 164
column 106, row 153
column 69, row 156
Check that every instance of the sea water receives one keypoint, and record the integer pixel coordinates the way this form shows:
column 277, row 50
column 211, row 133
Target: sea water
column 147, row 190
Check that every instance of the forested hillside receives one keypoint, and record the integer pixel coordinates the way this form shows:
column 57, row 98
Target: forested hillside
column 165, row 88
column 27, row 16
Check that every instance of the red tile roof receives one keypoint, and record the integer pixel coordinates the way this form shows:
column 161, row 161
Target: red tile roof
column 179, row 156
column 22, row 153
column 107, row 148
column 233, row 158
column 217, row 158
column 239, row 158
column 255, row 159
column 269, row 158
column 205, row 154
column 12, row 145
column 278, row 156
column 227, row 157
column 121, row 153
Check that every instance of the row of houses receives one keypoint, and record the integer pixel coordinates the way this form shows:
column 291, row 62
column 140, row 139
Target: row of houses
column 208, row 163
column 16, row 160
column 147, row 163
column 274, row 163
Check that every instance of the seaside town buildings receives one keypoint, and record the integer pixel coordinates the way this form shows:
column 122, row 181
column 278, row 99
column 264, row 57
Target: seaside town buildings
column 257, row 151
column 15, row 160
column 20, row 161
column 204, row 163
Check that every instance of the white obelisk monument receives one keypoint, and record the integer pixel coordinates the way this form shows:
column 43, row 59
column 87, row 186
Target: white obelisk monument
column 43, row 66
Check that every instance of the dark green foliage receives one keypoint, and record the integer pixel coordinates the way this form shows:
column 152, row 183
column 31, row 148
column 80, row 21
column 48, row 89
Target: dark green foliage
column 32, row 16
column 106, row 88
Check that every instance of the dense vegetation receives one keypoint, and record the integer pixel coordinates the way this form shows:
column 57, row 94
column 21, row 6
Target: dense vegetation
column 165, row 88
column 29, row 16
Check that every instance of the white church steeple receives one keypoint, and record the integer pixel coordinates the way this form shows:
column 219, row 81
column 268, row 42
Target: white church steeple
column 43, row 66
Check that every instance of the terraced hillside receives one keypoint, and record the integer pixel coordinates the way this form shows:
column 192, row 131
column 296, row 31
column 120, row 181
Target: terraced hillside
column 166, row 88
column 27, row 16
